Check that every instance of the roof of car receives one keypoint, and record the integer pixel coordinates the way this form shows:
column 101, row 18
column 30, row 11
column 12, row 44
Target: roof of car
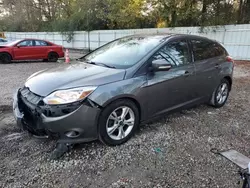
column 31, row 39
column 34, row 39
column 168, row 35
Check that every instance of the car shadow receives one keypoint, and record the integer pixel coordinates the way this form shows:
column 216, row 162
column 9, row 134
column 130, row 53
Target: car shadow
column 33, row 61
column 156, row 122
column 151, row 125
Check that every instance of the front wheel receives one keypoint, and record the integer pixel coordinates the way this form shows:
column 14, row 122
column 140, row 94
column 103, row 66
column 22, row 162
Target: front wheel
column 118, row 122
column 220, row 95
column 5, row 58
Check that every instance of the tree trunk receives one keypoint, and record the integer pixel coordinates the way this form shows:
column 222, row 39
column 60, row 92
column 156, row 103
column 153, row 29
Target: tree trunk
column 173, row 18
column 240, row 12
column 217, row 13
column 204, row 11
column 247, row 12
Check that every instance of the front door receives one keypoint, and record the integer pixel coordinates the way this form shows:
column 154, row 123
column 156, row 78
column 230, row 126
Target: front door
column 174, row 88
column 24, row 50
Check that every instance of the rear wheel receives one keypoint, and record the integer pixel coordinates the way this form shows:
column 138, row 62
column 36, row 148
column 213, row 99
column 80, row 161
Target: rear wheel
column 53, row 57
column 5, row 58
column 118, row 122
column 220, row 95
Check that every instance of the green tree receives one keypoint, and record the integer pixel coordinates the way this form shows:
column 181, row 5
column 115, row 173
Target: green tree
column 70, row 15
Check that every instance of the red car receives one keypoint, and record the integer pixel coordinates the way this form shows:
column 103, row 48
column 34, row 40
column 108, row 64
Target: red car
column 30, row 49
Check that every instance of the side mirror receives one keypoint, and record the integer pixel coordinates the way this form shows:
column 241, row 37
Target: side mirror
column 18, row 45
column 161, row 65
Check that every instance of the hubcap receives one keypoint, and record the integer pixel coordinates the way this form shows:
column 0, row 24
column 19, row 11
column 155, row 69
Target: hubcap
column 120, row 123
column 222, row 93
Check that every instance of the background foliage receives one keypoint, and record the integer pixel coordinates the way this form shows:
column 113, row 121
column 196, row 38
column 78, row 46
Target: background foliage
column 72, row 15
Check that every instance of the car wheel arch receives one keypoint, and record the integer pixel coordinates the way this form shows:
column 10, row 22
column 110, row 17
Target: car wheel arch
column 229, row 79
column 125, row 97
column 52, row 51
column 11, row 57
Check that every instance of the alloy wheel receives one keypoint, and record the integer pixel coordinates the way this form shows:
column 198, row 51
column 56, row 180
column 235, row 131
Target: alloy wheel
column 222, row 93
column 120, row 123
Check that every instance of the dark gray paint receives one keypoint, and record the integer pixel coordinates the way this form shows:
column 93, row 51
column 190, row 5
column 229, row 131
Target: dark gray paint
column 77, row 74
column 154, row 92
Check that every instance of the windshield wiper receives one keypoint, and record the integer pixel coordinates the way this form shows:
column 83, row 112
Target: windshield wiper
column 102, row 64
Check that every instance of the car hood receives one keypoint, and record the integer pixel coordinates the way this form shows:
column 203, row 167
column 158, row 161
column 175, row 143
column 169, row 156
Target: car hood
column 70, row 76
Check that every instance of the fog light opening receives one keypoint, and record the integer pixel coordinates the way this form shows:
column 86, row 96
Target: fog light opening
column 72, row 134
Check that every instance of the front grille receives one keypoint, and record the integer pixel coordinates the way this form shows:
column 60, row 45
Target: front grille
column 30, row 97
column 28, row 104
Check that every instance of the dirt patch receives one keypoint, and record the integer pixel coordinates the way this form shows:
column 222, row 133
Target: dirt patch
column 173, row 151
column 242, row 69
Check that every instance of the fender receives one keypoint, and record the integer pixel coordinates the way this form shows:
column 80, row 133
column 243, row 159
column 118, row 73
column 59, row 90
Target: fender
column 7, row 52
column 126, row 89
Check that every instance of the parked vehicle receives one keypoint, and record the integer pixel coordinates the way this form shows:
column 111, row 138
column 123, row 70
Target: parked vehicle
column 110, row 91
column 30, row 49
column 2, row 40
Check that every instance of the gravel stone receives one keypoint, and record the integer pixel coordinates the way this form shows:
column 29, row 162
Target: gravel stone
column 172, row 151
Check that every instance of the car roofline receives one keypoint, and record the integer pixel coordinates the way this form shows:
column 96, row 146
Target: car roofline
column 167, row 35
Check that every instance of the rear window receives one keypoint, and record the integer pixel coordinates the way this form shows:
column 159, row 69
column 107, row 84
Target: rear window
column 219, row 50
column 205, row 49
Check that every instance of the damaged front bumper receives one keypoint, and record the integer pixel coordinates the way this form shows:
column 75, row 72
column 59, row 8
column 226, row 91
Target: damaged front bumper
column 79, row 125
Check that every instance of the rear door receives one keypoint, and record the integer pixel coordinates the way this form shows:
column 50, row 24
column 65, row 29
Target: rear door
column 171, row 89
column 41, row 49
column 207, row 57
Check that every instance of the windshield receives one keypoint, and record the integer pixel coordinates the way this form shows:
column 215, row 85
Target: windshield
column 125, row 52
column 11, row 43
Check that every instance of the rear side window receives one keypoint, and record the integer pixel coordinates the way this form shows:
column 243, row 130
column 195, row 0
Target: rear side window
column 175, row 53
column 41, row 43
column 219, row 50
column 204, row 49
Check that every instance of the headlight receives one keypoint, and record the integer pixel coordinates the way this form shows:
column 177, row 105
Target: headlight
column 69, row 95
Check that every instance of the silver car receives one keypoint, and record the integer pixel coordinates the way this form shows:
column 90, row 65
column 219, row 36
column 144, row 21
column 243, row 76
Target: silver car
column 107, row 93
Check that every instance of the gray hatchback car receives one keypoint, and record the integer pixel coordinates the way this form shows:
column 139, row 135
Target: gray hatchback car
column 107, row 93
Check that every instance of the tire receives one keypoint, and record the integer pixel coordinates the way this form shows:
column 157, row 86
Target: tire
column 217, row 101
column 106, row 122
column 53, row 57
column 5, row 58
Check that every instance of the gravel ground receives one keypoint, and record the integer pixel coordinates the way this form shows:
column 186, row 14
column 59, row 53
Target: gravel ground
column 173, row 151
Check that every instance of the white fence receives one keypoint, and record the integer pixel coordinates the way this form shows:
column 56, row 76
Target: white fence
column 236, row 38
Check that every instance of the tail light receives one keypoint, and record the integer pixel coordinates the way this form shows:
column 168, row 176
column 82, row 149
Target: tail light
column 229, row 59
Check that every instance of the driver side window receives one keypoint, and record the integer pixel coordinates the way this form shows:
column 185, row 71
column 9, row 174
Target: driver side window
column 26, row 43
column 174, row 53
